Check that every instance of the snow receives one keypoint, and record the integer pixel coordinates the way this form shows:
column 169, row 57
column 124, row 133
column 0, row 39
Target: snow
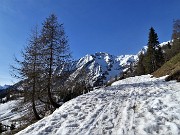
column 127, row 59
column 144, row 49
column 165, row 43
column 104, row 65
column 140, row 105
column 6, row 113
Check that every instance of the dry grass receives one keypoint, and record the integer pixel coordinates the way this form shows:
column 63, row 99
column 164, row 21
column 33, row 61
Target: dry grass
column 169, row 68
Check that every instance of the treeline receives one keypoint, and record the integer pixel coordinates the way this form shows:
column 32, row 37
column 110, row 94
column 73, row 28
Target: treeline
column 157, row 55
column 45, row 69
column 173, row 48
column 6, row 95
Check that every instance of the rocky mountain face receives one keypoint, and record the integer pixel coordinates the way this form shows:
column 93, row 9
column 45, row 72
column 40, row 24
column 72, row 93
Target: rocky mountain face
column 95, row 70
column 102, row 67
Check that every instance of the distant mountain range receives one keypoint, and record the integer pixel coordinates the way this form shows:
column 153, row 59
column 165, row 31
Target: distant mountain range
column 4, row 87
column 101, row 67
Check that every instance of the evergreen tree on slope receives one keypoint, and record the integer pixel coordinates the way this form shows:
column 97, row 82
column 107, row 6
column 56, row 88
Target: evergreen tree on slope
column 55, row 53
column 140, row 69
column 30, row 71
column 154, row 56
column 176, row 37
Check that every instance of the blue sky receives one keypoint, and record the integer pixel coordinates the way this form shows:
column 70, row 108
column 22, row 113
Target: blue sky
column 114, row 26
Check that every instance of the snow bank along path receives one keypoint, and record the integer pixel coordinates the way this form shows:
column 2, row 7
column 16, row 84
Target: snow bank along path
column 134, row 106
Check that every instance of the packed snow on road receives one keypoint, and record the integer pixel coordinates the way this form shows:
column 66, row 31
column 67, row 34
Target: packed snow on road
column 138, row 105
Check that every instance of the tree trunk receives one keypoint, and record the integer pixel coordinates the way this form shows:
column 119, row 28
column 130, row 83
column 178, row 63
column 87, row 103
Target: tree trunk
column 54, row 104
column 34, row 91
column 33, row 102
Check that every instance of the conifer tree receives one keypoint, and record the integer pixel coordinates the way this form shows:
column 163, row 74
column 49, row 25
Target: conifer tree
column 176, row 29
column 30, row 71
column 169, row 45
column 140, row 69
column 159, row 57
column 55, row 53
column 45, row 54
column 174, row 47
column 176, row 37
column 154, row 55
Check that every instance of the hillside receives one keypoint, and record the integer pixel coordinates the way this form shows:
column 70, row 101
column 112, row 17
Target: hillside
column 6, row 112
column 171, row 67
column 138, row 105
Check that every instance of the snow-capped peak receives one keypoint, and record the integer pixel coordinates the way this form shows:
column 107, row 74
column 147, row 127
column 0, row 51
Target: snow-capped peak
column 102, row 66
column 4, row 87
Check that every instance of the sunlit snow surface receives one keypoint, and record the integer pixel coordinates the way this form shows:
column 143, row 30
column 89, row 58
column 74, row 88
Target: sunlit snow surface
column 6, row 113
column 135, row 106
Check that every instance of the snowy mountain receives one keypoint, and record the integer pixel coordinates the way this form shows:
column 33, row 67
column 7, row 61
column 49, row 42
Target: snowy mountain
column 139, row 105
column 165, row 43
column 144, row 49
column 135, row 105
column 101, row 67
column 4, row 87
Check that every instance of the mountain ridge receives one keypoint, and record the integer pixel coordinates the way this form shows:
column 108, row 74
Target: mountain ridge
column 102, row 66
column 4, row 87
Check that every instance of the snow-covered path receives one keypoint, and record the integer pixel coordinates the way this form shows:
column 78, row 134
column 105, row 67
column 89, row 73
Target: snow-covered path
column 134, row 106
